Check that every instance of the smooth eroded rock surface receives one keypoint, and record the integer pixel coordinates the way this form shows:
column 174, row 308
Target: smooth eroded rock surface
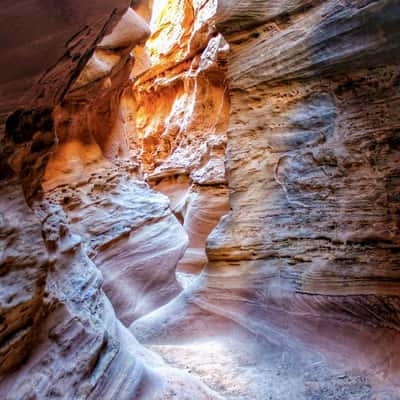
column 182, row 111
column 46, row 44
column 307, row 258
column 280, row 117
column 60, row 337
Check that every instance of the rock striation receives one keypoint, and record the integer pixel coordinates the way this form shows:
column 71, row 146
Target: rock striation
column 128, row 230
column 307, row 258
column 130, row 234
column 60, row 337
column 118, row 158
column 26, row 139
column 58, row 41
column 182, row 111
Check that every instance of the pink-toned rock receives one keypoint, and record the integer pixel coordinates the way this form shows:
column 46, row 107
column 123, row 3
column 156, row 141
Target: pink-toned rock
column 45, row 46
column 59, row 335
column 306, row 259
column 129, row 232
column 199, row 208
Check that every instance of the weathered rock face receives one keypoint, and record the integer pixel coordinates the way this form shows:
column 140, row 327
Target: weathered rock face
column 88, row 123
column 128, row 230
column 199, row 208
column 24, row 265
column 77, row 347
column 26, row 138
column 182, row 112
column 300, row 298
column 308, row 256
column 59, row 335
column 313, row 153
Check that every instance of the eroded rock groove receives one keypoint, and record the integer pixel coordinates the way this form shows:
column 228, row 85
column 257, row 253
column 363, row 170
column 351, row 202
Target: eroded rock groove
column 199, row 200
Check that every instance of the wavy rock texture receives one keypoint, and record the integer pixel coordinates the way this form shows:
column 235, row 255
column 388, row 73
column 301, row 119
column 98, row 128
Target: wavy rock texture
column 24, row 265
column 59, row 335
column 128, row 230
column 130, row 234
column 26, row 139
column 307, row 259
column 181, row 118
column 81, row 349
column 199, row 208
column 300, row 297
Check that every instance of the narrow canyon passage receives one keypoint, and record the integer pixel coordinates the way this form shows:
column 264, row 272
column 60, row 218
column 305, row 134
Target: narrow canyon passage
column 199, row 199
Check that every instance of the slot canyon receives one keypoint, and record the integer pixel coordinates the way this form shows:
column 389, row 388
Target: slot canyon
column 200, row 200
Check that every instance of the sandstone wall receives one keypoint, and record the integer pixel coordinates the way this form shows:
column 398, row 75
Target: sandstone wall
column 306, row 260
column 182, row 112
column 313, row 161
column 59, row 334
column 128, row 230
column 308, row 255
column 312, row 147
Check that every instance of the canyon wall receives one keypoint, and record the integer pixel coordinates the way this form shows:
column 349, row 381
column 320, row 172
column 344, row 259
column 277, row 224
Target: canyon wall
column 313, row 156
column 289, row 108
column 60, row 337
column 307, row 258
column 128, row 230
column 28, row 91
column 182, row 111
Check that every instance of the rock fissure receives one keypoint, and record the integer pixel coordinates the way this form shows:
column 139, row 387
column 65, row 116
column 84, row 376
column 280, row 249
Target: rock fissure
column 199, row 200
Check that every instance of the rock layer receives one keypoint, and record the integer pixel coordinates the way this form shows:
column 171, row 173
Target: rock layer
column 307, row 256
column 128, row 230
column 300, row 297
column 45, row 46
column 130, row 234
column 59, row 335
column 181, row 118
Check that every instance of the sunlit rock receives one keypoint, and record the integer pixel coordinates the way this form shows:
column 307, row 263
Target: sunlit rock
column 128, row 230
column 182, row 112
column 227, row 188
column 307, row 257
column 59, row 336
